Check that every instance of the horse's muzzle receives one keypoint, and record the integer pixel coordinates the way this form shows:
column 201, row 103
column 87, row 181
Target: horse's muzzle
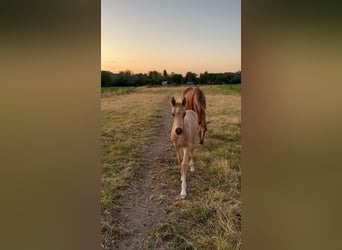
column 179, row 131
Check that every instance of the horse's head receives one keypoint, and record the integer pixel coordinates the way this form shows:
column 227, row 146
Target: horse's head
column 202, row 130
column 178, row 113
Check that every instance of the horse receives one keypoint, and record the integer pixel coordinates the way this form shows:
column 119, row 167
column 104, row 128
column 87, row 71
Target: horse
column 195, row 100
column 183, row 135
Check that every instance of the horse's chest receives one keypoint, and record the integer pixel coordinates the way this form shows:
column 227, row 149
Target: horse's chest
column 179, row 141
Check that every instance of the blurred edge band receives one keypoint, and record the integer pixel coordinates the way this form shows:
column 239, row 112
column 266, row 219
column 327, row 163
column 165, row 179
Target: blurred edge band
column 50, row 139
column 291, row 118
column 50, row 132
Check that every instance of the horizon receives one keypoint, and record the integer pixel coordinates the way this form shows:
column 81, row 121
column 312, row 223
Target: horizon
column 136, row 73
column 192, row 36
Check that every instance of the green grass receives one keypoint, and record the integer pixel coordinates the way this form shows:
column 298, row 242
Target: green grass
column 117, row 90
column 225, row 89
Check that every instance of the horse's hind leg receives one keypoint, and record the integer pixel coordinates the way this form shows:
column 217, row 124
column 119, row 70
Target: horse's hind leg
column 192, row 164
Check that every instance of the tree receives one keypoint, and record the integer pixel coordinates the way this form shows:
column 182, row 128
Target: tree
column 128, row 78
column 203, row 78
column 142, row 79
column 220, row 79
column 178, row 78
column 190, row 77
column 106, row 78
column 155, row 77
column 237, row 77
column 165, row 76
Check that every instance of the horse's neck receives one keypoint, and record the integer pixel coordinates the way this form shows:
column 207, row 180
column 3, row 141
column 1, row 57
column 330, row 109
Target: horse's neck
column 189, row 125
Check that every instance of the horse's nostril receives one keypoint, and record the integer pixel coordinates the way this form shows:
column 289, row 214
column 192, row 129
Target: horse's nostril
column 178, row 131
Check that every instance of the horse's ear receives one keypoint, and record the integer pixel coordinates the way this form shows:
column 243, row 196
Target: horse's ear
column 184, row 101
column 173, row 101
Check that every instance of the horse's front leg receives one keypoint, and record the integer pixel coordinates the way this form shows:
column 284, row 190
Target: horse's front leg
column 179, row 155
column 183, row 172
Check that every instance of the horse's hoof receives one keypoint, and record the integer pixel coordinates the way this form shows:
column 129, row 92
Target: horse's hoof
column 183, row 194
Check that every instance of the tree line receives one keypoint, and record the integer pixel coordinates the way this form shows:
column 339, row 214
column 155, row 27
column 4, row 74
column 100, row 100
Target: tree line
column 128, row 78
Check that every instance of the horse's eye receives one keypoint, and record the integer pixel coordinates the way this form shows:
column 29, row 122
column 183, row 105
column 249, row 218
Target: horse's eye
column 173, row 114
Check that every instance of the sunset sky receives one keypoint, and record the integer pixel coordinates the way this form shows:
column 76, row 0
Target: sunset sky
column 175, row 35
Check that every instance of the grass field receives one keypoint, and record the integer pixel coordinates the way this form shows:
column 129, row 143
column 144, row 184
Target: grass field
column 117, row 90
column 209, row 218
column 126, row 128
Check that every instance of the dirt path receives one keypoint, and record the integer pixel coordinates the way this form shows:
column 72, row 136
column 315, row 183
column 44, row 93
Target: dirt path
column 141, row 206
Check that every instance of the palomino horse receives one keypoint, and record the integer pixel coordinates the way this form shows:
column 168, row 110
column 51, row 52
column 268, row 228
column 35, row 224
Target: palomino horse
column 195, row 100
column 183, row 134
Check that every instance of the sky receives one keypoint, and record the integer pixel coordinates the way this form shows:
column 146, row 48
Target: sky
column 173, row 35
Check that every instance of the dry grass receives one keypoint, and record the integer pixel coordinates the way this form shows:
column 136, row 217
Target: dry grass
column 127, row 123
column 210, row 216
